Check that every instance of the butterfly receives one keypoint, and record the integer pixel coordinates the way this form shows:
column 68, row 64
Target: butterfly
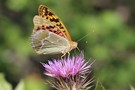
column 49, row 35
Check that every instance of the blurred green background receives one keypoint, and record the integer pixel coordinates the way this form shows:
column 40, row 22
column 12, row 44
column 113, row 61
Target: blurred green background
column 109, row 26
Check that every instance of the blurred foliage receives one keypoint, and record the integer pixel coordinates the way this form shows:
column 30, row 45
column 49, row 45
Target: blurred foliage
column 132, row 88
column 4, row 85
column 106, row 25
column 30, row 83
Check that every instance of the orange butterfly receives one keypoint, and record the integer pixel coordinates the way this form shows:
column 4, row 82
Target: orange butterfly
column 50, row 36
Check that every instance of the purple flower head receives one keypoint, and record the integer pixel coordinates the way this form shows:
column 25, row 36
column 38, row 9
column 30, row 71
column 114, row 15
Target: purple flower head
column 66, row 67
column 70, row 73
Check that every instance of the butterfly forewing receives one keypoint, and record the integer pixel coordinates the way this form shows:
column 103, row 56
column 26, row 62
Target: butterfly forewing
column 49, row 15
column 42, row 23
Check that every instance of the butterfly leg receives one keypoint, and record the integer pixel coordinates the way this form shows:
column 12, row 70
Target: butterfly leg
column 68, row 54
column 63, row 55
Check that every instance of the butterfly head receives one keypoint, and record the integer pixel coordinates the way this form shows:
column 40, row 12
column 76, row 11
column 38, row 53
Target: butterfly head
column 73, row 45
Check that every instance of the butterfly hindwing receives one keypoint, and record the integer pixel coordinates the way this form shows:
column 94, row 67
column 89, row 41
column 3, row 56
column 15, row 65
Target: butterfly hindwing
column 46, row 42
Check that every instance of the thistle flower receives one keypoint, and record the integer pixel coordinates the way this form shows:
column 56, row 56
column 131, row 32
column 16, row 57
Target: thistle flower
column 69, row 73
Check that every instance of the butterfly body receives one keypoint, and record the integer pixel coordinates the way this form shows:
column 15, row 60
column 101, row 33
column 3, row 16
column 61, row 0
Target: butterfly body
column 49, row 34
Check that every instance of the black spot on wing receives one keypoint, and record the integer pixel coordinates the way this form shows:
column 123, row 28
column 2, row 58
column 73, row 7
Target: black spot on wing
column 55, row 20
column 50, row 13
column 46, row 17
column 51, row 26
column 38, row 28
column 46, row 11
column 61, row 27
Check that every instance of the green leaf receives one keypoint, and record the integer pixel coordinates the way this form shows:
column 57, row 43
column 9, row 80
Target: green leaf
column 131, row 87
column 20, row 86
column 32, row 83
column 4, row 85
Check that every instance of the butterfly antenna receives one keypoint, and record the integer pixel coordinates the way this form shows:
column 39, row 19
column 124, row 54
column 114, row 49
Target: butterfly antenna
column 83, row 37
column 86, row 35
column 78, row 49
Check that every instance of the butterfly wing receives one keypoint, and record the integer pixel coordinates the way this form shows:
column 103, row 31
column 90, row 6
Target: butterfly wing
column 49, row 34
column 42, row 23
column 46, row 42
column 47, row 14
